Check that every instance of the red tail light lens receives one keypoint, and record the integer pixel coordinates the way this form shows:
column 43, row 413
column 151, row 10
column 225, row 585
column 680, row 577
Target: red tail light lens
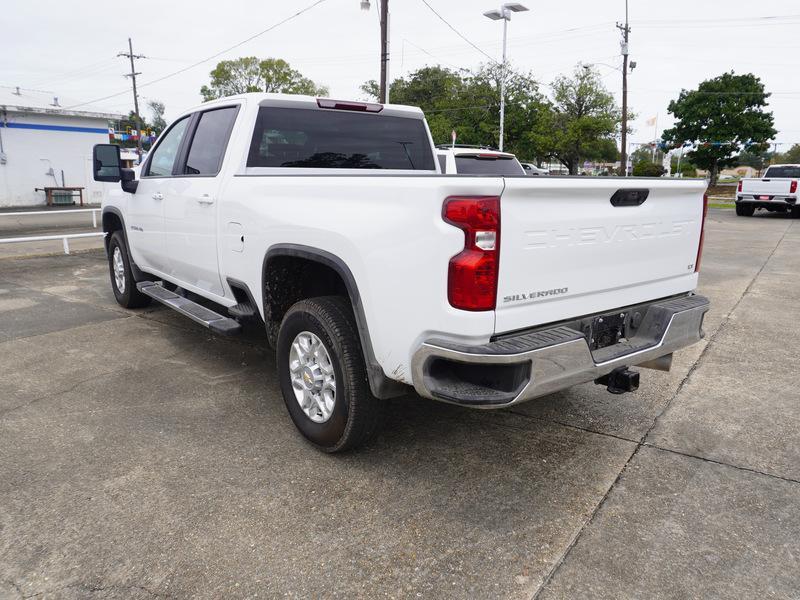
column 472, row 274
column 739, row 187
column 702, row 233
column 793, row 186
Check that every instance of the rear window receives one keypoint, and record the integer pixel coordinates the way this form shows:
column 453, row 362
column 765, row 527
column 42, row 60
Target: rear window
column 793, row 172
column 475, row 165
column 295, row 137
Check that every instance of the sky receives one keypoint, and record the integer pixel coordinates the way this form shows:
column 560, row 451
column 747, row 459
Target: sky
column 71, row 47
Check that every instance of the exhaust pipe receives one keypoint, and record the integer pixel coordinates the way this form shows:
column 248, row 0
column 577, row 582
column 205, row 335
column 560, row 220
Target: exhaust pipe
column 662, row 363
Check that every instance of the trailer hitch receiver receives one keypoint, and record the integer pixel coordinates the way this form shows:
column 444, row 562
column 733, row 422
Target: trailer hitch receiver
column 620, row 380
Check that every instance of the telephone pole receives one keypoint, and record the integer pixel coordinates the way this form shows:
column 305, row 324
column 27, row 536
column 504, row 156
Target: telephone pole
column 129, row 54
column 625, row 29
column 383, row 90
column 384, row 98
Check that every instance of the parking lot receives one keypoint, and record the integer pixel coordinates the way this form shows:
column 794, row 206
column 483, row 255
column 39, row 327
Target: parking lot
column 143, row 457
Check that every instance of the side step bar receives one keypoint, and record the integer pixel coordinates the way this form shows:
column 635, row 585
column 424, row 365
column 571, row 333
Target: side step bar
column 200, row 314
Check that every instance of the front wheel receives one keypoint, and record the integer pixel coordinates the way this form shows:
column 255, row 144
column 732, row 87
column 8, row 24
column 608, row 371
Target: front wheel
column 323, row 376
column 745, row 210
column 122, row 282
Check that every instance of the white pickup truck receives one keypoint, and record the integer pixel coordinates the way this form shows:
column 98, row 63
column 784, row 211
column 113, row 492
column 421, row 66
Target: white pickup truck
column 372, row 272
column 776, row 191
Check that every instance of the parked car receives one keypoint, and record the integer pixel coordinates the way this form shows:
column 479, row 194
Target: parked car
column 476, row 160
column 372, row 274
column 531, row 169
column 776, row 191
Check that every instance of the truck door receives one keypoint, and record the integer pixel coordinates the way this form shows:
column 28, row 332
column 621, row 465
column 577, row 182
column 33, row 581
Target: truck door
column 145, row 213
column 190, row 208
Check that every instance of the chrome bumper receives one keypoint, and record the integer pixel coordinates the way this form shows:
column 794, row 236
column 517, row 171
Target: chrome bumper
column 545, row 361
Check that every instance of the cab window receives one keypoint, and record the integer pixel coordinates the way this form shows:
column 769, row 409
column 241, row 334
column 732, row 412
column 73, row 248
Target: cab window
column 209, row 141
column 163, row 159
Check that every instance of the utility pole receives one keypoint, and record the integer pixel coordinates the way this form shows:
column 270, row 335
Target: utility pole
column 384, row 93
column 383, row 90
column 129, row 54
column 625, row 29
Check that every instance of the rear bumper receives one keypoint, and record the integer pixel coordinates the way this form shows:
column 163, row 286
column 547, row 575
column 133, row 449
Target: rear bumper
column 529, row 365
column 771, row 201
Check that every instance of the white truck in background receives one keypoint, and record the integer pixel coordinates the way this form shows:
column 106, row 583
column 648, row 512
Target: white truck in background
column 477, row 160
column 776, row 191
column 373, row 274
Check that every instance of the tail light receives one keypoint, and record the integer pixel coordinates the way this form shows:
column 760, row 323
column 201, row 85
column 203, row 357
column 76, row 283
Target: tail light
column 739, row 187
column 342, row 105
column 702, row 233
column 793, row 186
column 472, row 274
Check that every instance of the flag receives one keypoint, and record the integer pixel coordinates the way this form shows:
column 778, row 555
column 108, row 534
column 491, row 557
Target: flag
column 453, row 136
column 652, row 121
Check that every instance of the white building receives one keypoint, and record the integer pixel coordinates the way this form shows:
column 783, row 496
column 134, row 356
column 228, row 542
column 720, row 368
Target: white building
column 41, row 137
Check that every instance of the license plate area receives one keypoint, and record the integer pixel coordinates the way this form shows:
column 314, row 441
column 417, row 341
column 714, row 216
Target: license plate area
column 607, row 330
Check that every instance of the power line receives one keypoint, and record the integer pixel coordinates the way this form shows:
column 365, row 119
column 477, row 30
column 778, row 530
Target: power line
column 456, row 31
column 213, row 56
column 722, row 21
column 77, row 73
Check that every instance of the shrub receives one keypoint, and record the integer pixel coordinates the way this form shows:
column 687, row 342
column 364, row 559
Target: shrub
column 645, row 168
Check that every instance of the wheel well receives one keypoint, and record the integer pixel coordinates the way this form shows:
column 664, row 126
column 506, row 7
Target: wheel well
column 111, row 223
column 289, row 279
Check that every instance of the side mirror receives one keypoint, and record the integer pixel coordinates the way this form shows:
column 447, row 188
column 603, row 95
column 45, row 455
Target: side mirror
column 129, row 182
column 105, row 158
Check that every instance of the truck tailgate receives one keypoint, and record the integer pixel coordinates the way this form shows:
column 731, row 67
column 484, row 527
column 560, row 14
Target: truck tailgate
column 766, row 187
column 567, row 251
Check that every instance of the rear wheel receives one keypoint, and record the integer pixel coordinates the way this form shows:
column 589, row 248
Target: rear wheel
column 796, row 212
column 323, row 376
column 122, row 282
column 745, row 210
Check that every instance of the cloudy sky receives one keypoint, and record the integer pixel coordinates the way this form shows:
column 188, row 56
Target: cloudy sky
column 70, row 47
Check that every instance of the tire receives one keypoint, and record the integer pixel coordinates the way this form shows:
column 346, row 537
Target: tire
column 795, row 212
column 355, row 415
column 122, row 282
column 745, row 210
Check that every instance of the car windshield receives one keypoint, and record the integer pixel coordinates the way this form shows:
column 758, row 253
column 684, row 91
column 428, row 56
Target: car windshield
column 788, row 171
column 488, row 164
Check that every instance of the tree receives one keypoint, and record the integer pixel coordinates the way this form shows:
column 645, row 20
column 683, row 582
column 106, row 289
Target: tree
column 791, row 156
column 647, row 168
column 757, row 160
column 583, row 122
column 158, row 123
column 469, row 103
column 720, row 118
column 687, row 168
column 249, row 74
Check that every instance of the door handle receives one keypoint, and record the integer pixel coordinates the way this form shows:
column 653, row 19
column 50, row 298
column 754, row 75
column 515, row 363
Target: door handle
column 158, row 196
column 205, row 199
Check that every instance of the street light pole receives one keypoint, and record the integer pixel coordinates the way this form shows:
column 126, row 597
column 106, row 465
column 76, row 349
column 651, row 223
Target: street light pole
column 495, row 15
column 503, row 84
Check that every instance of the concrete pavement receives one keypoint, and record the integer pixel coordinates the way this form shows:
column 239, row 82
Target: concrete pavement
column 142, row 457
